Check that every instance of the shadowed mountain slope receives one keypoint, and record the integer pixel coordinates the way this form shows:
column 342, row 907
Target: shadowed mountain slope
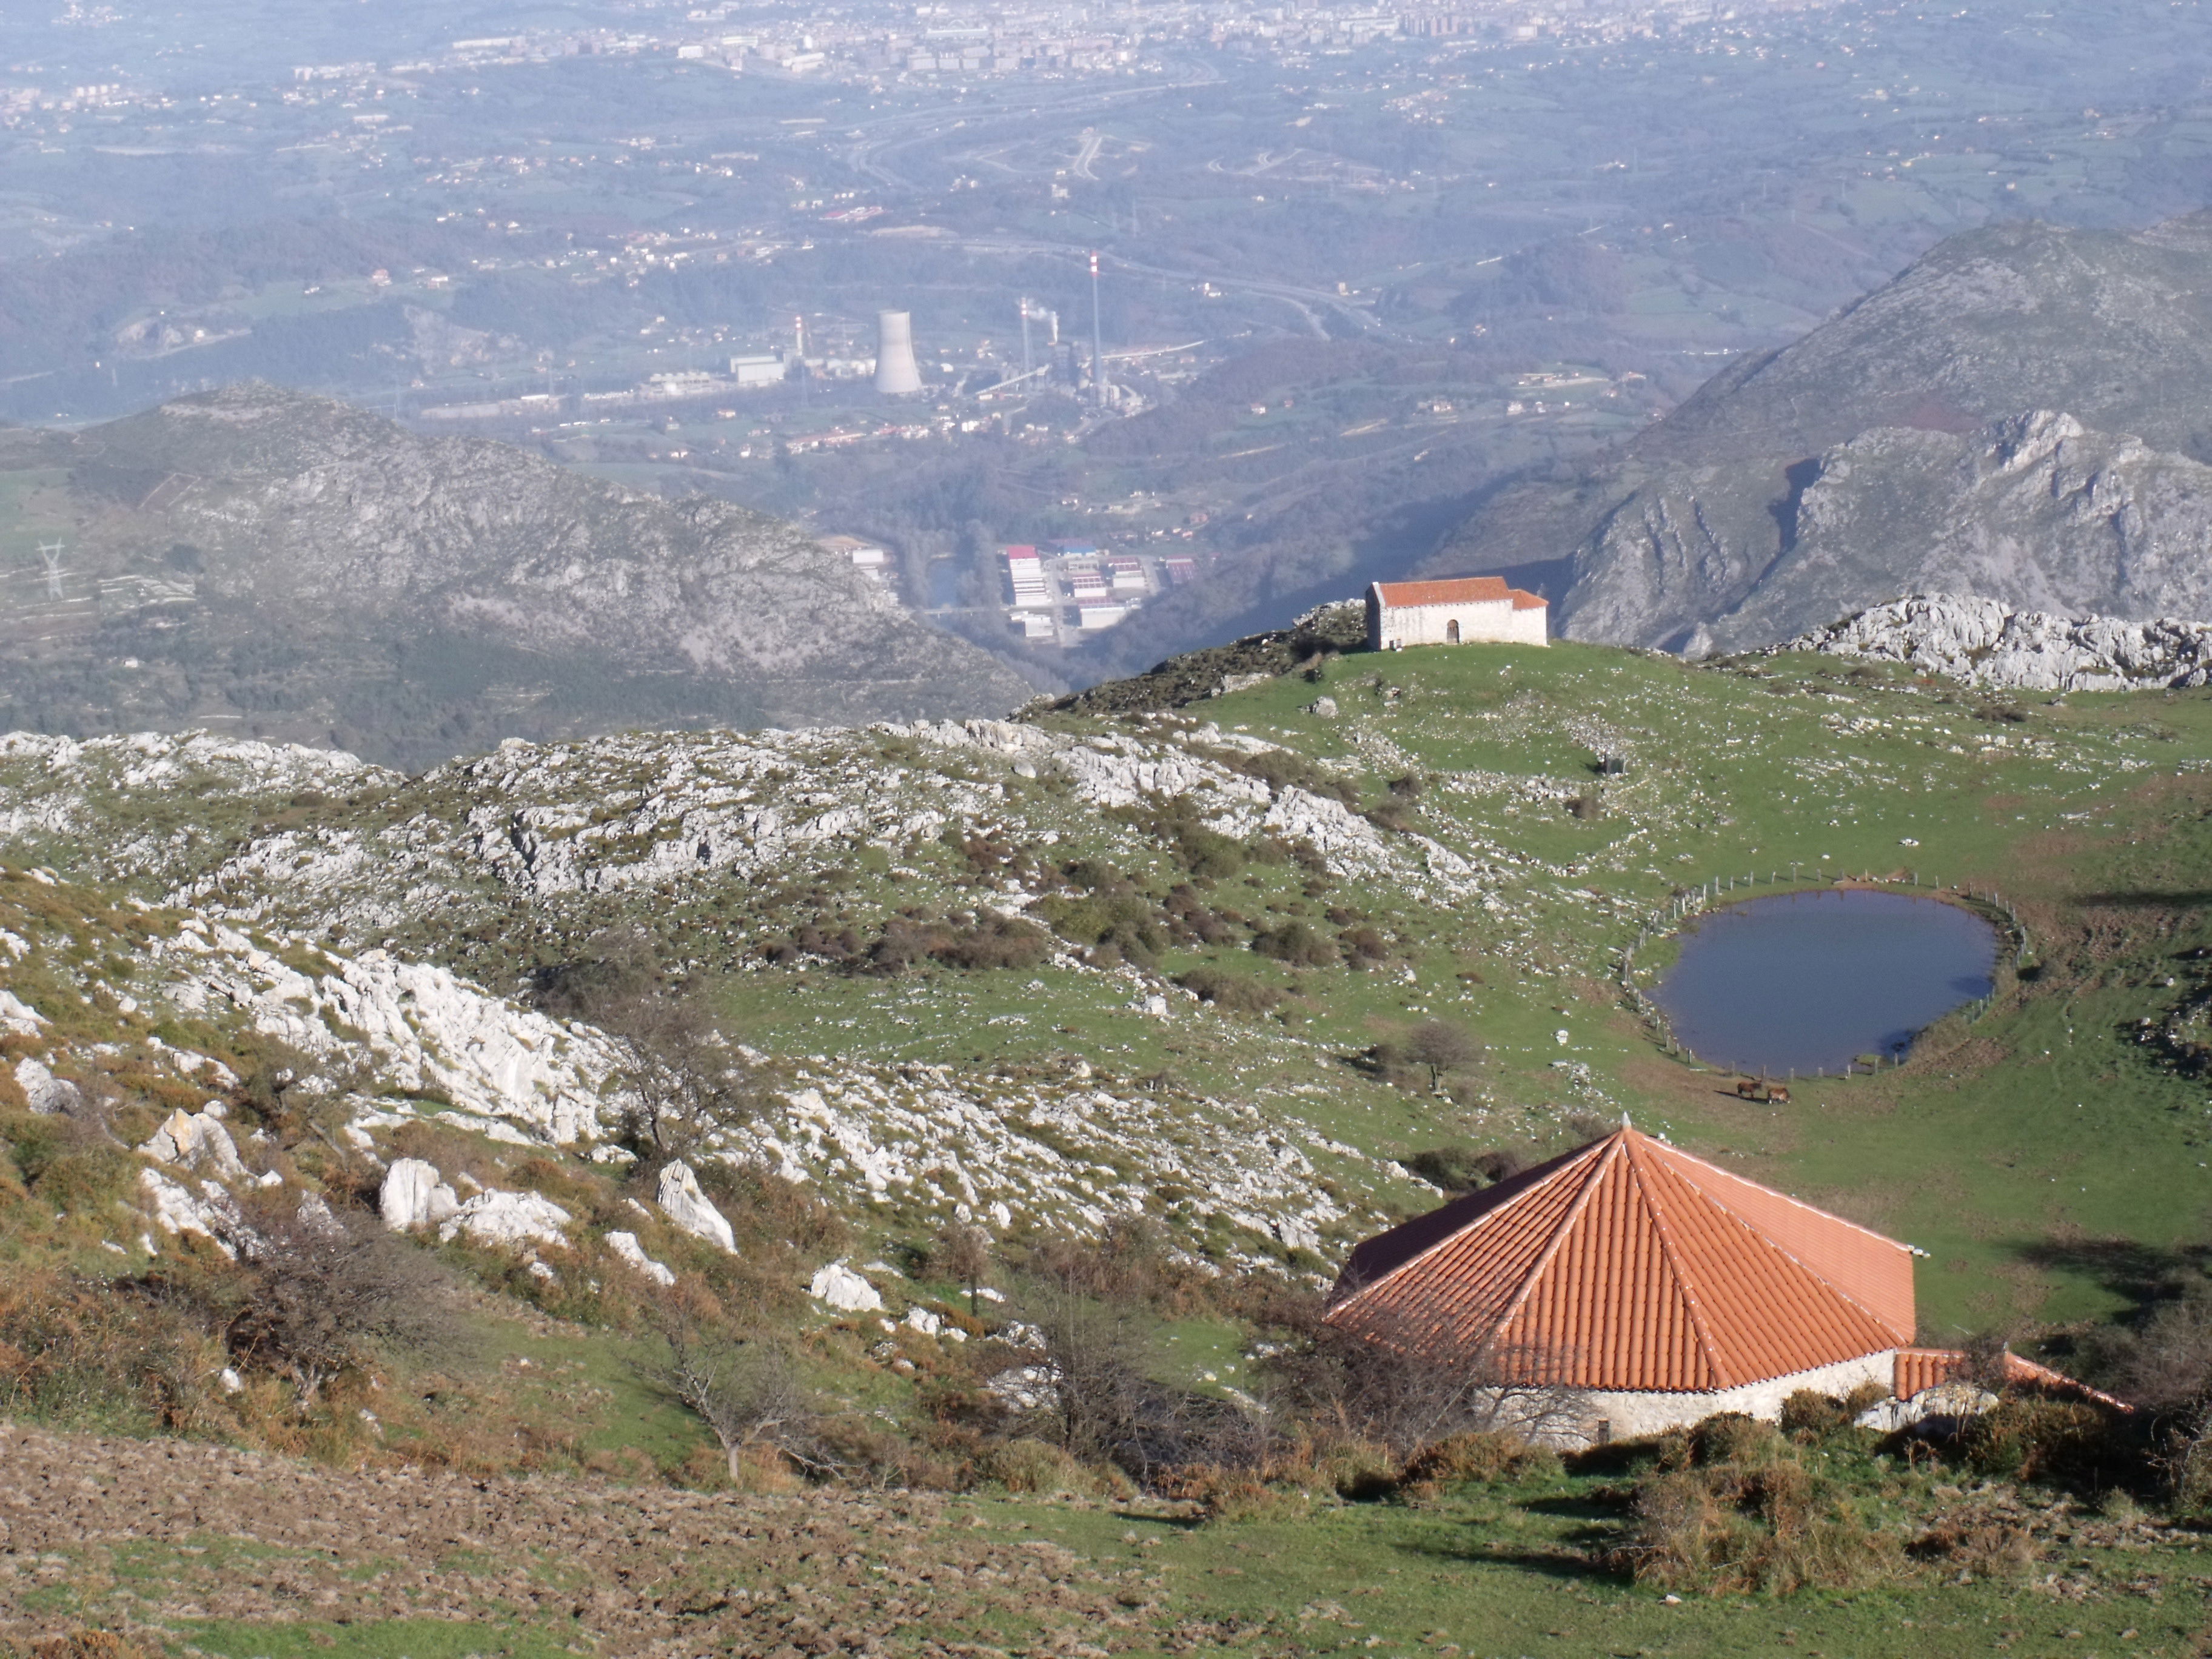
column 2023, row 415
column 276, row 565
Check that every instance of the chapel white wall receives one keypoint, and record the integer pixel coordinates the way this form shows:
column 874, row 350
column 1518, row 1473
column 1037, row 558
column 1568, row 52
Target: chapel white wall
column 1491, row 621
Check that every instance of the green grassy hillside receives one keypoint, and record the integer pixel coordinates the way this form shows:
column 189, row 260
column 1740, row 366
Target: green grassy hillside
column 1136, row 989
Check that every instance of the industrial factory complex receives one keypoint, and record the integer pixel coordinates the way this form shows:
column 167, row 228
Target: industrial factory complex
column 1059, row 591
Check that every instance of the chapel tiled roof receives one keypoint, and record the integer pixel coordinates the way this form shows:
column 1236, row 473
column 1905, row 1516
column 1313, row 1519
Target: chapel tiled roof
column 1457, row 590
column 1629, row 1265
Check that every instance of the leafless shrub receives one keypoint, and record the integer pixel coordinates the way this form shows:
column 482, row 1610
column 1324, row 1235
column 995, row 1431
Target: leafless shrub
column 684, row 1078
column 321, row 1294
column 1129, row 1262
column 1100, row 1402
column 961, row 1251
column 1366, row 1386
column 746, row 1390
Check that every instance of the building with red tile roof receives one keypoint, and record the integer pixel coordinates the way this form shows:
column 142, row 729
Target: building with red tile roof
column 1657, row 1288
column 1457, row 610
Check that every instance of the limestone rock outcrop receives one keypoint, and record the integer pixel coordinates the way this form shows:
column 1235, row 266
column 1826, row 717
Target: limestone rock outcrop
column 504, row 1217
column 191, row 1138
column 1984, row 642
column 414, row 1195
column 689, row 1209
column 625, row 1246
column 44, row 1091
column 838, row 1287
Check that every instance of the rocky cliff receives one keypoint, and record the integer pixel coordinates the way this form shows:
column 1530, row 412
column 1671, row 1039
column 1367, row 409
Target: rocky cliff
column 2021, row 415
column 283, row 566
column 1982, row 642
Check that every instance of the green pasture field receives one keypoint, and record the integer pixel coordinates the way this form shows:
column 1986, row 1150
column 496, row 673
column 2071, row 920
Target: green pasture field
column 2014, row 1151
column 1490, row 1571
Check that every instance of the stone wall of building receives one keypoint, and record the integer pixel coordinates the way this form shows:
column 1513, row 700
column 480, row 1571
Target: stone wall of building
column 1478, row 621
column 1632, row 1416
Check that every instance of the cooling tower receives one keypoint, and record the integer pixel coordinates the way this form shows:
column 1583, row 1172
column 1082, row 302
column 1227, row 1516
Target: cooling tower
column 895, row 370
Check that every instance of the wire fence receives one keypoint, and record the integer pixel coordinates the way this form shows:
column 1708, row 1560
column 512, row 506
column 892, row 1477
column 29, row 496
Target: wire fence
column 1717, row 891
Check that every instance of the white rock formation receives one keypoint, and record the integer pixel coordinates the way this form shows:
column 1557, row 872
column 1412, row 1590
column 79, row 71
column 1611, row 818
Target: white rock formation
column 504, row 1217
column 626, row 1246
column 18, row 1018
column 923, row 1133
column 427, row 1027
column 213, row 1216
column 689, row 1209
column 1984, row 642
column 841, row 1288
column 44, row 1091
column 1957, row 1400
column 414, row 1196
column 1024, row 1388
column 191, row 1138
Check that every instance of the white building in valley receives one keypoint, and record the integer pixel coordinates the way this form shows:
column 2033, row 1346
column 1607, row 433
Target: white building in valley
column 1460, row 610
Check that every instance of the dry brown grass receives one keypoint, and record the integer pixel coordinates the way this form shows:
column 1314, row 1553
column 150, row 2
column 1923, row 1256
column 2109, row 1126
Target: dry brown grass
column 1734, row 1508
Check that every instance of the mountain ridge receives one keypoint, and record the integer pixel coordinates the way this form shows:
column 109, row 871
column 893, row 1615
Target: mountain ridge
column 1869, row 457
column 290, row 567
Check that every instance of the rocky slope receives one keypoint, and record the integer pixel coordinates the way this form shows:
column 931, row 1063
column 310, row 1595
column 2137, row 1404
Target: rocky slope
column 1042, row 974
column 2021, row 415
column 1982, row 642
column 563, row 841
column 281, row 566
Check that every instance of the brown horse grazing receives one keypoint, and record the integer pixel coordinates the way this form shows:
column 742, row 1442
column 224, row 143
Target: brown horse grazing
column 1747, row 1088
column 1777, row 1095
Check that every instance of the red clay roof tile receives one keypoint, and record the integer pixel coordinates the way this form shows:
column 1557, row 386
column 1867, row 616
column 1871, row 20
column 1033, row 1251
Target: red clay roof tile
column 1457, row 590
column 1629, row 1265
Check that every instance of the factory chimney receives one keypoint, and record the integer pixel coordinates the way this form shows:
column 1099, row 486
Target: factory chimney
column 895, row 370
column 1098, row 387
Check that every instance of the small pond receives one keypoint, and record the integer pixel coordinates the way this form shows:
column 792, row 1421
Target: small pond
column 1807, row 982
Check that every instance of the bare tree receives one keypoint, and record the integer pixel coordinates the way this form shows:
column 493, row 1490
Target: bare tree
column 324, row 1294
column 1385, row 1382
column 1442, row 1047
column 961, row 1251
column 685, row 1076
column 746, row 1391
column 1100, row 1401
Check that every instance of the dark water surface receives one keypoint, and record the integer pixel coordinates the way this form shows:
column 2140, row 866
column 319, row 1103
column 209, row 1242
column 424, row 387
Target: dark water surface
column 1807, row 982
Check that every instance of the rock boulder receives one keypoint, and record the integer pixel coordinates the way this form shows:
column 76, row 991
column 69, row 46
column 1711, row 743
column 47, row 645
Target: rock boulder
column 413, row 1195
column 689, row 1209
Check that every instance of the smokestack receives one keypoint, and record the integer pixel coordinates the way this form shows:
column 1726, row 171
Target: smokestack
column 1097, row 348
column 895, row 370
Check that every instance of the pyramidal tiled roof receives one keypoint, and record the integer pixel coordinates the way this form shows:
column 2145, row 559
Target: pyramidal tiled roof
column 1629, row 1265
